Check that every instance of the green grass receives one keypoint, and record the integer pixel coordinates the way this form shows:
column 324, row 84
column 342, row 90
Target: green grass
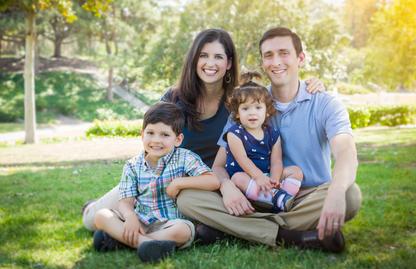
column 65, row 93
column 40, row 221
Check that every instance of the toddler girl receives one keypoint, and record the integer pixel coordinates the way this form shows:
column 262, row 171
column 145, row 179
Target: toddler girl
column 254, row 153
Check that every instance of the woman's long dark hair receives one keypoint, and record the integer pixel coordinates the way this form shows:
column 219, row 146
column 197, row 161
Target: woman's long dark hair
column 190, row 87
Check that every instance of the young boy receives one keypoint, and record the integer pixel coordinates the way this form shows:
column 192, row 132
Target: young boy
column 148, row 218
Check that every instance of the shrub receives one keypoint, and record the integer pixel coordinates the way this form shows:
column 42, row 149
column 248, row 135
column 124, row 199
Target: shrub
column 359, row 116
column 392, row 115
column 385, row 115
column 350, row 89
column 114, row 128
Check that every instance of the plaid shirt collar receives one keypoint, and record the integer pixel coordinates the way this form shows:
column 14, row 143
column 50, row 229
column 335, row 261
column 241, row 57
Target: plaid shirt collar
column 161, row 163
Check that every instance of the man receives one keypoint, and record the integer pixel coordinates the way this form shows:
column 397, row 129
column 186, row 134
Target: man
column 311, row 126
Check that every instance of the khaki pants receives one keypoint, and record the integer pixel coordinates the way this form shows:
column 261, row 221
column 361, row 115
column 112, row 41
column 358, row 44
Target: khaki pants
column 110, row 201
column 208, row 208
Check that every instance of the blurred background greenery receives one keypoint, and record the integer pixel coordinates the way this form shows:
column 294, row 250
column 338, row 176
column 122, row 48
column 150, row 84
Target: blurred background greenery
column 359, row 46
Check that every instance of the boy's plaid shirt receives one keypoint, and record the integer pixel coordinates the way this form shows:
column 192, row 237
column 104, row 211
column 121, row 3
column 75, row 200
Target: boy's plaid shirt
column 149, row 185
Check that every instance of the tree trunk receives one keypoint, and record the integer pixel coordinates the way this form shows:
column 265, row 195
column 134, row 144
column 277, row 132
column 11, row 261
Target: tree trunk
column 110, row 84
column 37, row 71
column 30, row 112
column 16, row 51
column 110, row 71
column 57, row 48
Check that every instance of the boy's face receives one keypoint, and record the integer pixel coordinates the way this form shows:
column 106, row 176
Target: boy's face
column 159, row 139
column 279, row 60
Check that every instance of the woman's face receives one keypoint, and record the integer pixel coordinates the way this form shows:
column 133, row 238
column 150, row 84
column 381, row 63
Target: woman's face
column 212, row 63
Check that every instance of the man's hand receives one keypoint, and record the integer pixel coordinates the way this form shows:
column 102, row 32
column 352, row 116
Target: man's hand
column 333, row 213
column 131, row 230
column 234, row 200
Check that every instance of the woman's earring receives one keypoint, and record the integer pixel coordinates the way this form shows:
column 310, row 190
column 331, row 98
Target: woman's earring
column 227, row 77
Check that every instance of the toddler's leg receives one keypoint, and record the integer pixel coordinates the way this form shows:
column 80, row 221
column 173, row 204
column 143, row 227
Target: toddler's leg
column 249, row 187
column 292, row 177
column 241, row 180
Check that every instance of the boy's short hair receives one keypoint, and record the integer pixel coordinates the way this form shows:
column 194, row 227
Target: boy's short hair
column 166, row 112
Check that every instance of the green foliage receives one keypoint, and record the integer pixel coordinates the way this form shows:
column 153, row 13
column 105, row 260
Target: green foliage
column 114, row 128
column 347, row 88
column 390, row 115
column 359, row 116
column 391, row 58
column 246, row 21
column 69, row 94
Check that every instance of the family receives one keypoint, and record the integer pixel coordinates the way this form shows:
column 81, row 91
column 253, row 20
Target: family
column 245, row 160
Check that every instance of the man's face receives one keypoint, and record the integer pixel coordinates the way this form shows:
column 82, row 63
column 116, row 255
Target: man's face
column 280, row 62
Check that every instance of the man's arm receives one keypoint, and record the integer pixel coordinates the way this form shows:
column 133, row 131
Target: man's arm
column 343, row 176
column 234, row 200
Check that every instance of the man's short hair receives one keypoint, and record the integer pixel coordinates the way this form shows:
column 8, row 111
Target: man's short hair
column 282, row 31
column 167, row 113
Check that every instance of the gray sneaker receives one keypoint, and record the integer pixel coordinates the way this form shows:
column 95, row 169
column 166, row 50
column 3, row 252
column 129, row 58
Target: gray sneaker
column 103, row 242
column 155, row 250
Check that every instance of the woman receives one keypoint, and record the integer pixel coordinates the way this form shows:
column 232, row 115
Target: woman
column 209, row 72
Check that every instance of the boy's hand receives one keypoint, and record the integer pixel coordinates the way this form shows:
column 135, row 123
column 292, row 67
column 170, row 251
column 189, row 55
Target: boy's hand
column 173, row 189
column 264, row 185
column 131, row 230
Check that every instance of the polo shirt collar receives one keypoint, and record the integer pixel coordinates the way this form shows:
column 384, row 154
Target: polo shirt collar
column 302, row 95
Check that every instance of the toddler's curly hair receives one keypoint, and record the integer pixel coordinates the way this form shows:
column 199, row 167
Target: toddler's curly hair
column 250, row 89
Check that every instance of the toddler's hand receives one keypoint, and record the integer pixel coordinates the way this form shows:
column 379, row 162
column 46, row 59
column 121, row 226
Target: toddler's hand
column 264, row 184
column 277, row 185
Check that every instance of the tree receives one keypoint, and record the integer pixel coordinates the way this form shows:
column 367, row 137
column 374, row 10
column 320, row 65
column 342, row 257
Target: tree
column 12, row 27
column 246, row 21
column 391, row 58
column 357, row 18
column 120, row 27
column 31, row 7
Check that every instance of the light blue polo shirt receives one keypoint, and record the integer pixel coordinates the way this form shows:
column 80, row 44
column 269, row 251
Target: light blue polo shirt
column 305, row 128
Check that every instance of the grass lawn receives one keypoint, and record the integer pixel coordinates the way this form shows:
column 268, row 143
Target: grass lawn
column 41, row 226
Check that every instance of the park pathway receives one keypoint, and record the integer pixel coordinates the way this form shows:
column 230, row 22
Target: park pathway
column 117, row 89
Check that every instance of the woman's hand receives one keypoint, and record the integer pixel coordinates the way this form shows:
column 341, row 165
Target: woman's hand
column 314, row 85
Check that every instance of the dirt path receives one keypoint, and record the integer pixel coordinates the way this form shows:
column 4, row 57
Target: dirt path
column 44, row 154
column 70, row 151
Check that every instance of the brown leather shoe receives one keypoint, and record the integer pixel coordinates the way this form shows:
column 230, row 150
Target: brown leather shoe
column 207, row 235
column 332, row 243
column 86, row 204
